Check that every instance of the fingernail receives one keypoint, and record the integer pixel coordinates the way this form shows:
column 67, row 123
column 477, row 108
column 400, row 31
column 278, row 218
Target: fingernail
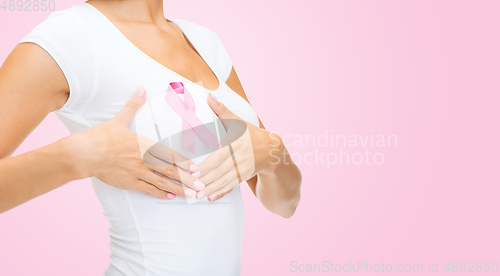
column 212, row 197
column 196, row 174
column 189, row 193
column 201, row 195
column 193, row 168
column 198, row 185
column 213, row 97
column 170, row 196
column 140, row 92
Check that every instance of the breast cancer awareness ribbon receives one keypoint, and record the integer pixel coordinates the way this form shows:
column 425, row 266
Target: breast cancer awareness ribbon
column 191, row 124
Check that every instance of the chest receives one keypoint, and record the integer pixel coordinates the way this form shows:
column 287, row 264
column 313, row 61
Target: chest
column 121, row 77
column 171, row 48
column 121, row 66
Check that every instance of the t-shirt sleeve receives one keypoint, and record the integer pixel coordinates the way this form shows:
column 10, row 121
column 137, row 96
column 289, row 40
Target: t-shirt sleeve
column 63, row 36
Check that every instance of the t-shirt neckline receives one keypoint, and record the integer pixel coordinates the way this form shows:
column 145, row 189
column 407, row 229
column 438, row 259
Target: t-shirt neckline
column 163, row 67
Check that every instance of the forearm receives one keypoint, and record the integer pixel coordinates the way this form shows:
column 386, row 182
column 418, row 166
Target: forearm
column 279, row 188
column 34, row 173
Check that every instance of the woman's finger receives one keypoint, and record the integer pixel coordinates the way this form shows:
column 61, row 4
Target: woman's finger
column 150, row 190
column 223, row 191
column 223, row 181
column 160, row 155
column 214, row 160
column 164, row 183
column 177, row 174
column 127, row 113
column 218, row 171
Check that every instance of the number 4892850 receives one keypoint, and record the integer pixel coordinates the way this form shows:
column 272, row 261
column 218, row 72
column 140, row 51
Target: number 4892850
column 28, row 5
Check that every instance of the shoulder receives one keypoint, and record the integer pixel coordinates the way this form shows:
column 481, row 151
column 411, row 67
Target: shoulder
column 66, row 36
column 68, row 23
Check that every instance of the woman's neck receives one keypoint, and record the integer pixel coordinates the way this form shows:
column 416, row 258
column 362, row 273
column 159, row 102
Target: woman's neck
column 144, row 11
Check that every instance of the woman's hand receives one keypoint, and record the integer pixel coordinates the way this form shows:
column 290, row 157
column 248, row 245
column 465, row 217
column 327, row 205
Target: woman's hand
column 116, row 155
column 249, row 151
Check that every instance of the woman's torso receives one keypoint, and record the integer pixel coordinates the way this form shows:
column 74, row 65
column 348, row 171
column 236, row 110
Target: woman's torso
column 148, row 236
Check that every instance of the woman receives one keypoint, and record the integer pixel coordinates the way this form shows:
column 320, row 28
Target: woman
column 95, row 65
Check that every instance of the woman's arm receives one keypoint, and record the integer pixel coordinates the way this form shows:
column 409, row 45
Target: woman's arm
column 262, row 158
column 31, row 86
column 278, row 190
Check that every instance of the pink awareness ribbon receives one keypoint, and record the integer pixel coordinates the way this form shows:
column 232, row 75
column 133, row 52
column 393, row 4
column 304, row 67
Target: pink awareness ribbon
column 190, row 122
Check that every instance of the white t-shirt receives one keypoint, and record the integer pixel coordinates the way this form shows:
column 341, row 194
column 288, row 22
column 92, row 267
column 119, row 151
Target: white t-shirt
column 149, row 236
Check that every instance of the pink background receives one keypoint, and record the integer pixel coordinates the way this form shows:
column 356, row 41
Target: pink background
column 425, row 71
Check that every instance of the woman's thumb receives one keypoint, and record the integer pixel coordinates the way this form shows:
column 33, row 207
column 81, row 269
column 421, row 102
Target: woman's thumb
column 219, row 108
column 128, row 112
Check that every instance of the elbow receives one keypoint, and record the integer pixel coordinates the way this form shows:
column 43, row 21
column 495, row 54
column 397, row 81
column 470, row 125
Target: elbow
column 286, row 207
column 290, row 204
column 284, row 203
column 4, row 208
column 293, row 206
column 290, row 209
